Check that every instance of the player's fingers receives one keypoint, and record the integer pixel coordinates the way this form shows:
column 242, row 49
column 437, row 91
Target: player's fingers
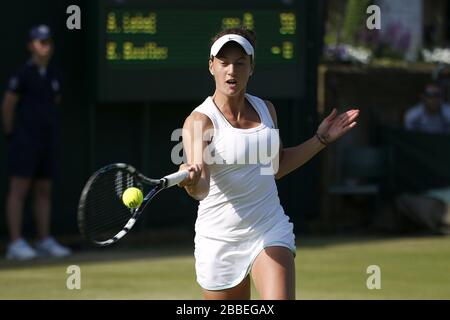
column 350, row 112
column 352, row 125
column 183, row 183
column 332, row 115
column 192, row 168
column 353, row 113
column 350, row 118
column 197, row 173
column 194, row 174
column 188, row 180
column 347, row 117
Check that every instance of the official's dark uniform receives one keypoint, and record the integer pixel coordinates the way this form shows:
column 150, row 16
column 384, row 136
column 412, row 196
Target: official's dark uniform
column 32, row 148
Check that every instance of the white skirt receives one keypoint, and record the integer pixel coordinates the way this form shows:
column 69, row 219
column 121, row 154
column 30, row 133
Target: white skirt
column 223, row 264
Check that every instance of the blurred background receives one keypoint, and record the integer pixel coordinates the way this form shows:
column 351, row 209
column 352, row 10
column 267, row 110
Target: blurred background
column 136, row 69
column 124, row 109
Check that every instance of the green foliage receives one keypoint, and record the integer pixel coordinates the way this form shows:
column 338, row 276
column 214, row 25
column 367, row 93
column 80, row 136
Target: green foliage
column 355, row 19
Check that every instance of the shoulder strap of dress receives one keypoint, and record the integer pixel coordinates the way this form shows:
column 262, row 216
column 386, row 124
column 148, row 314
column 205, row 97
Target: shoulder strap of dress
column 263, row 110
column 207, row 108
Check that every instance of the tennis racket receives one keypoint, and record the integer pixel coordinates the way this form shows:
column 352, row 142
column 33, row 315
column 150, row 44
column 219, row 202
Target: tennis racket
column 102, row 216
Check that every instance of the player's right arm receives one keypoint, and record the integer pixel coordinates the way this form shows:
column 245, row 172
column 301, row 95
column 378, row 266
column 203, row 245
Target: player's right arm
column 8, row 109
column 194, row 144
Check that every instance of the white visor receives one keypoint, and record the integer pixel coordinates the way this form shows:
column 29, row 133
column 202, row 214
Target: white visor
column 244, row 43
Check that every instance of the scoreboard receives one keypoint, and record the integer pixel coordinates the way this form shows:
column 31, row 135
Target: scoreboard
column 148, row 38
column 159, row 50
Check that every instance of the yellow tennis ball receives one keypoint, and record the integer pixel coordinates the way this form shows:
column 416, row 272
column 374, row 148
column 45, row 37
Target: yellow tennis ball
column 132, row 197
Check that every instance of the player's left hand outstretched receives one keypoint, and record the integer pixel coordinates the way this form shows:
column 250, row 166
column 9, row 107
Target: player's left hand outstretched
column 334, row 126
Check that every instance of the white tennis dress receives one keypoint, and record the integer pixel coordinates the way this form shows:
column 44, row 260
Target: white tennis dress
column 242, row 214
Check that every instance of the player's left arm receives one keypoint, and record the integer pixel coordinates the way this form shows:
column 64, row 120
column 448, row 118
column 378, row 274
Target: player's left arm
column 331, row 129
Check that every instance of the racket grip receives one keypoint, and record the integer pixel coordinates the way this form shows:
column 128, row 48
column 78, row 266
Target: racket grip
column 175, row 178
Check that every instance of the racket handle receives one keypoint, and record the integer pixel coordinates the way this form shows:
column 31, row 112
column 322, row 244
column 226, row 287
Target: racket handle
column 175, row 178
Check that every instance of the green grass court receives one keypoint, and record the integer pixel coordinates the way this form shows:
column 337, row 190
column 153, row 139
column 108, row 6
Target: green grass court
column 327, row 268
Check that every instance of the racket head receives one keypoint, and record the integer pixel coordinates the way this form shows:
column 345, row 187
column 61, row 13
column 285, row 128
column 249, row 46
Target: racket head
column 103, row 218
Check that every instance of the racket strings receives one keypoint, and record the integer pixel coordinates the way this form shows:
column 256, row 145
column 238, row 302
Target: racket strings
column 105, row 214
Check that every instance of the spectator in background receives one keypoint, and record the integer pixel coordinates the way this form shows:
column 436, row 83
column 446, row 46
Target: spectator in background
column 30, row 124
column 432, row 115
column 429, row 210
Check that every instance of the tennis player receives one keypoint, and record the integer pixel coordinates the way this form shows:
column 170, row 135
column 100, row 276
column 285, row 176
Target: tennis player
column 241, row 227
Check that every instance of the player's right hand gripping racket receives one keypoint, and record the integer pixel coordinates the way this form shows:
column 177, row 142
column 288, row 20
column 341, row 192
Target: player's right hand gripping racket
column 102, row 216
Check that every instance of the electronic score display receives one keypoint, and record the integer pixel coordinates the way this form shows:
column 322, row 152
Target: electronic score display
column 148, row 38
column 155, row 52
